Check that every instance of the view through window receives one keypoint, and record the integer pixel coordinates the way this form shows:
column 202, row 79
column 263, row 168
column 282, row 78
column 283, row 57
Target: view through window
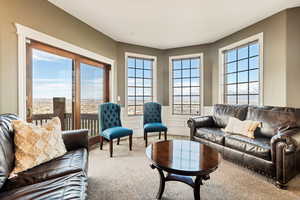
column 140, row 84
column 91, row 88
column 241, row 77
column 186, row 86
column 66, row 85
column 51, row 77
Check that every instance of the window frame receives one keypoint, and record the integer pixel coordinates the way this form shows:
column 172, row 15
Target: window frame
column 76, row 90
column 201, row 76
column 255, row 38
column 154, row 78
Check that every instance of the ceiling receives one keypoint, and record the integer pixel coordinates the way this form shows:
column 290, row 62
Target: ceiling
column 167, row 24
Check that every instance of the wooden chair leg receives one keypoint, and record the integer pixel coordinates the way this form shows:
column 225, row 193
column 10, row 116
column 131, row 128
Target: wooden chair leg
column 159, row 135
column 118, row 141
column 111, row 147
column 101, row 142
column 130, row 142
column 146, row 139
column 165, row 135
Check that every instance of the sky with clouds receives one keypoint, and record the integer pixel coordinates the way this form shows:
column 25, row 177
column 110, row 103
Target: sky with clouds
column 52, row 77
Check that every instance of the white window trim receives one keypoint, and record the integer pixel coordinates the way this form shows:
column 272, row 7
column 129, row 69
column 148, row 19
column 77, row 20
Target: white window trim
column 258, row 37
column 154, row 78
column 171, row 81
column 25, row 33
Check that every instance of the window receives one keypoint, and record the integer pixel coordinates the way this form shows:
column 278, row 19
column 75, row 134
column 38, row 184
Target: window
column 186, row 85
column 242, row 74
column 64, row 84
column 139, row 82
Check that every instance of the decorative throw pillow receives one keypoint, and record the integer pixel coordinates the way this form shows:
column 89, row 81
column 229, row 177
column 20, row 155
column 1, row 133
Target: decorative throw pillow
column 36, row 145
column 245, row 128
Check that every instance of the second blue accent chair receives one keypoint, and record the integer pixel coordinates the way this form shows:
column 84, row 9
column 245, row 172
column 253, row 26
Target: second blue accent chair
column 152, row 120
column 110, row 125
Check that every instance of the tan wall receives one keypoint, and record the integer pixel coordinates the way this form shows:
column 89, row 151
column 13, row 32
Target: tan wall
column 293, row 57
column 274, row 59
column 46, row 18
column 274, row 66
column 122, row 49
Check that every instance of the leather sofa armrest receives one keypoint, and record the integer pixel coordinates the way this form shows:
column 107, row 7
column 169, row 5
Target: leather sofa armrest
column 203, row 121
column 285, row 145
column 76, row 139
column 197, row 122
column 290, row 137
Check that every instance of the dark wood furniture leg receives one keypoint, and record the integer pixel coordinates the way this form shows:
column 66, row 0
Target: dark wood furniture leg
column 118, row 141
column 130, row 142
column 111, row 147
column 165, row 135
column 198, row 182
column 101, row 142
column 184, row 179
column 161, row 183
column 146, row 139
column 159, row 135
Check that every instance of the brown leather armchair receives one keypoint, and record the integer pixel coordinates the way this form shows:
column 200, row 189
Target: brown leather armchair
column 63, row 177
column 275, row 150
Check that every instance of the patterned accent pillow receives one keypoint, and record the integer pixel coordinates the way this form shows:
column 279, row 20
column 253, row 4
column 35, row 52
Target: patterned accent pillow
column 35, row 145
column 245, row 128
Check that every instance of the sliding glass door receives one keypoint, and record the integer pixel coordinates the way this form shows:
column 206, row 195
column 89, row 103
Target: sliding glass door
column 63, row 84
column 92, row 94
column 50, row 84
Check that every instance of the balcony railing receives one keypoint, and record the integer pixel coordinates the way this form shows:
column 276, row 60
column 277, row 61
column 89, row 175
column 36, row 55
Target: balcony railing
column 87, row 121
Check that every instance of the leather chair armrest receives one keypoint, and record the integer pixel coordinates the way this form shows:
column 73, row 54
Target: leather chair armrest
column 203, row 121
column 76, row 139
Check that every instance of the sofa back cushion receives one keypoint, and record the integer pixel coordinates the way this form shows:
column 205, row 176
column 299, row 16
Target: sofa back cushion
column 272, row 120
column 222, row 113
column 6, row 146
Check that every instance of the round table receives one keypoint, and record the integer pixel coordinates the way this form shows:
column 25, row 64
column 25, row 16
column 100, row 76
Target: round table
column 182, row 160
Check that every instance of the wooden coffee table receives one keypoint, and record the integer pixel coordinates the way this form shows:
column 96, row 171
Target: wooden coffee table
column 182, row 160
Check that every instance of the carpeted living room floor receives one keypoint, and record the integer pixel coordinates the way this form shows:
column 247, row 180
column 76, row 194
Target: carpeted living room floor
column 128, row 176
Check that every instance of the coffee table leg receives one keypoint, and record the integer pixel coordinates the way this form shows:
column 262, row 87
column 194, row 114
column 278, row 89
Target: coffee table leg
column 198, row 182
column 161, row 183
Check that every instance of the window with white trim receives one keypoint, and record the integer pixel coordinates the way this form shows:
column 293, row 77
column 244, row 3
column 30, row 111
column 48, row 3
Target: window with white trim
column 186, row 85
column 139, row 83
column 242, row 74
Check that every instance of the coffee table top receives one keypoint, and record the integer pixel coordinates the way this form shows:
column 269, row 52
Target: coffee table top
column 183, row 157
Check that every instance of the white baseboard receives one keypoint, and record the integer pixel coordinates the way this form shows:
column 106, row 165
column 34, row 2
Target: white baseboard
column 177, row 124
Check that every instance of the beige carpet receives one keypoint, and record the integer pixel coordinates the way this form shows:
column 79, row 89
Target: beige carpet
column 128, row 176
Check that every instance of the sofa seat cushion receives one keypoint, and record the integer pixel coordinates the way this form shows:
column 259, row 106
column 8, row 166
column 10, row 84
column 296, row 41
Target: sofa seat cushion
column 155, row 127
column 215, row 135
column 72, row 161
column 259, row 147
column 116, row 132
column 71, row 186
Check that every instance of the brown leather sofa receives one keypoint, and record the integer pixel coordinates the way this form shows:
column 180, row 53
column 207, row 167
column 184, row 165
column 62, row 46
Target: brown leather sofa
column 275, row 150
column 61, row 178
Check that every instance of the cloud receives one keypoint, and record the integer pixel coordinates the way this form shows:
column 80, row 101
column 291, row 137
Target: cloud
column 45, row 56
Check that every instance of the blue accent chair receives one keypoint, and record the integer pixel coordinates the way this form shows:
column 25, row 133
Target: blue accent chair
column 110, row 126
column 152, row 120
